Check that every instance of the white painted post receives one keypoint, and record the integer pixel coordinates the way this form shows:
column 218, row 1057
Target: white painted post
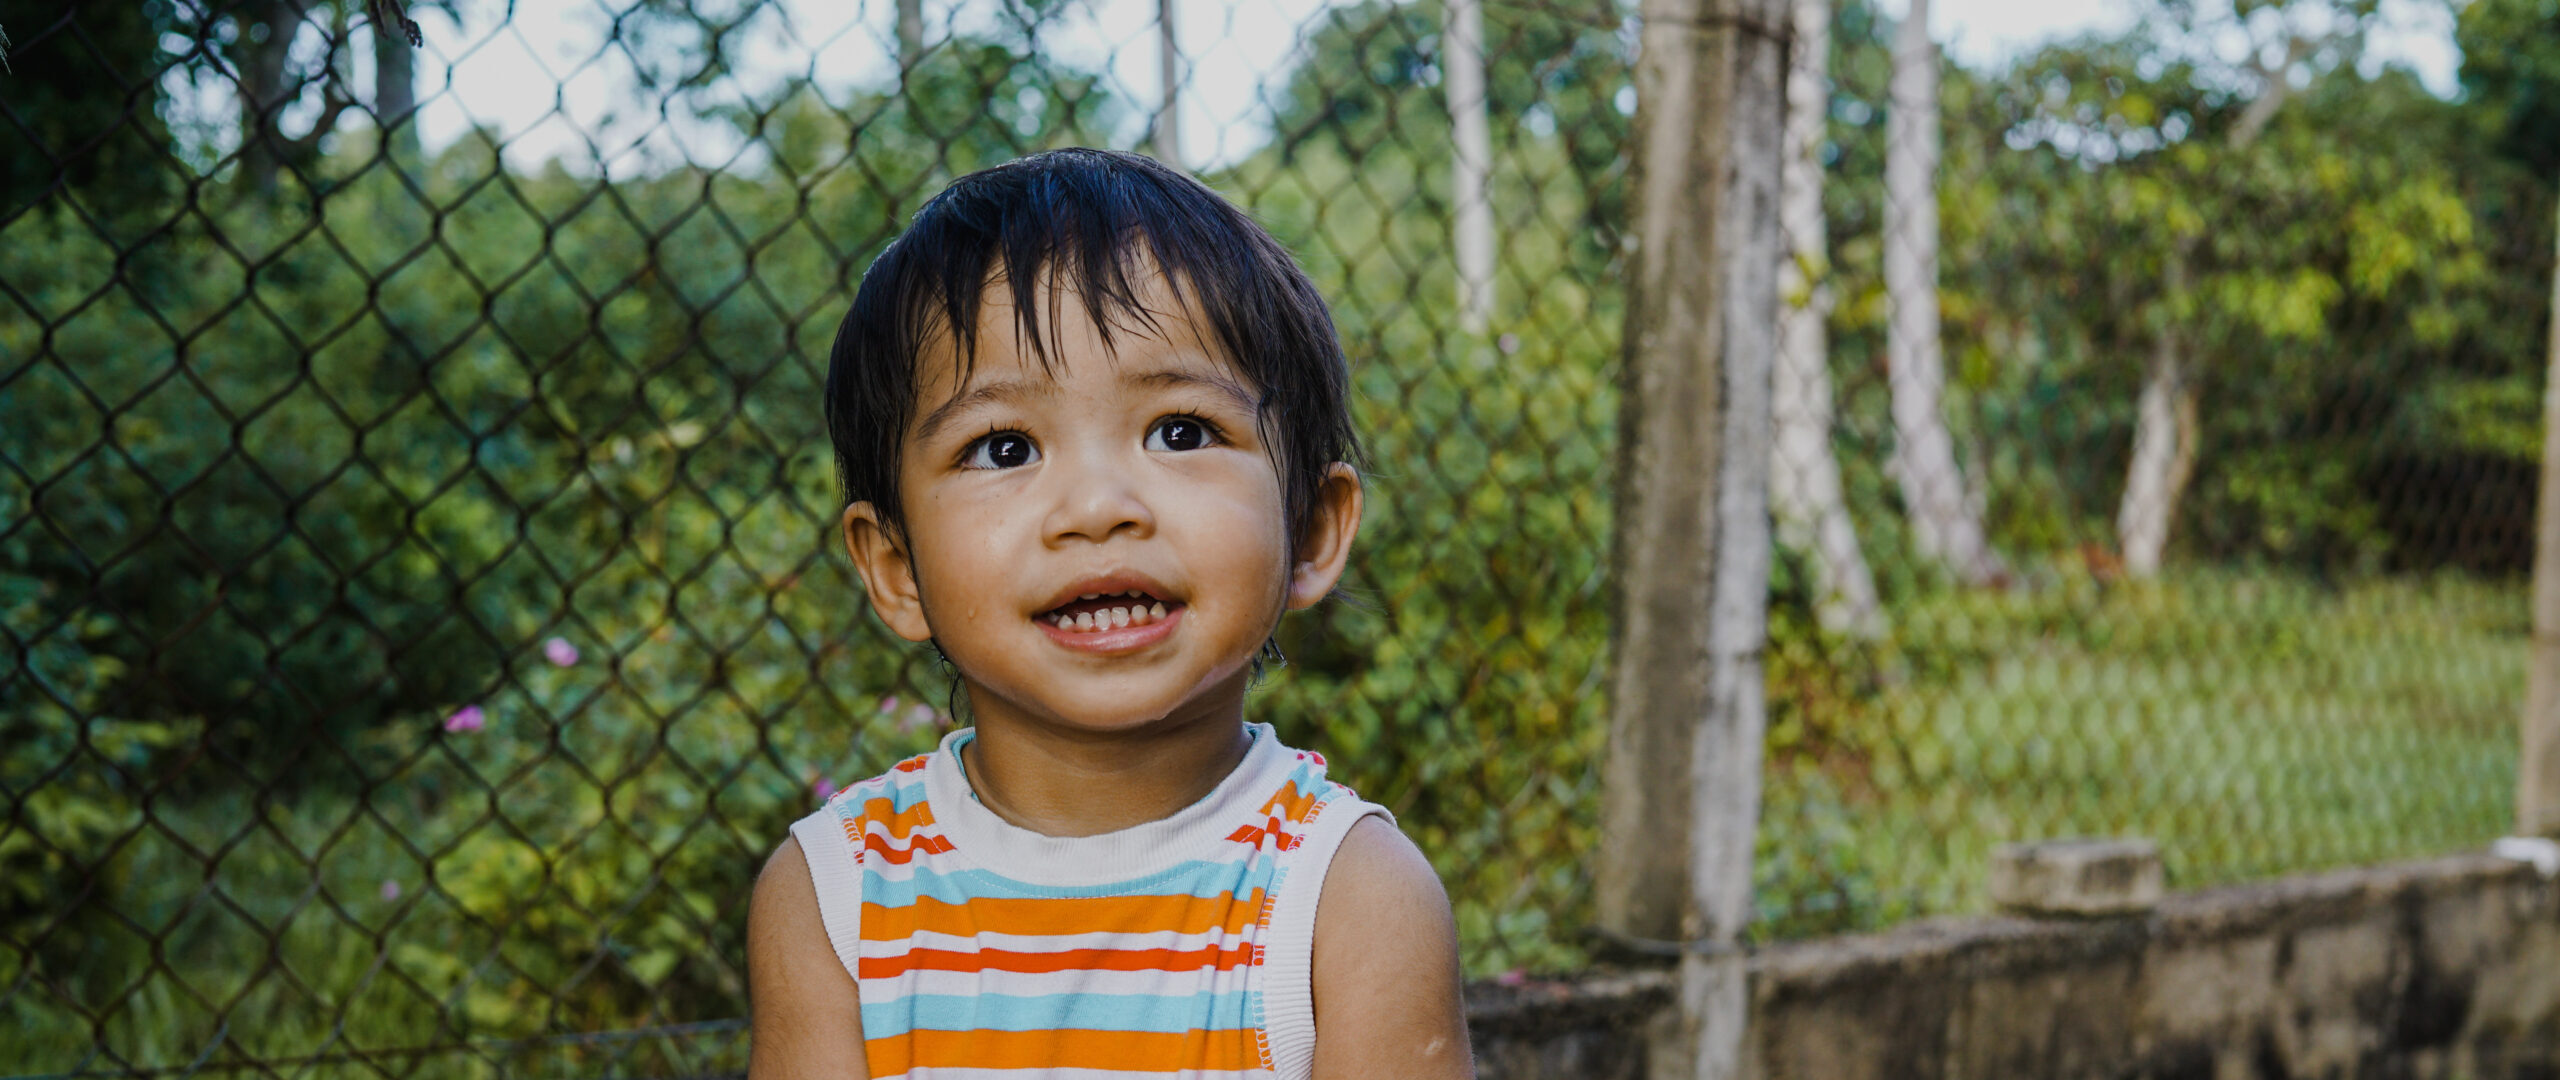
column 2538, row 772
column 1681, row 799
column 1470, row 160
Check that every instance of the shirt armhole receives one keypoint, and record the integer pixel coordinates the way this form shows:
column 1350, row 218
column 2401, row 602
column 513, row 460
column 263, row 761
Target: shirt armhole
column 1289, row 1003
column 835, row 868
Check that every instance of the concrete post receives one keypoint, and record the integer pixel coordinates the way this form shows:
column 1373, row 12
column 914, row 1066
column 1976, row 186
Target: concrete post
column 1681, row 803
column 2538, row 780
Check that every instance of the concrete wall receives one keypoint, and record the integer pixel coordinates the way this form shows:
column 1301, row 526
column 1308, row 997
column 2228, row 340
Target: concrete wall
column 2447, row 968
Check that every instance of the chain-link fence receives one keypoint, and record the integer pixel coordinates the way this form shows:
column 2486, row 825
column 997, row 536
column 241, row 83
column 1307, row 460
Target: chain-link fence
column 422, row 603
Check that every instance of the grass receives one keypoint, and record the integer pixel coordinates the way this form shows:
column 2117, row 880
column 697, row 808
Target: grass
column 2253, row 725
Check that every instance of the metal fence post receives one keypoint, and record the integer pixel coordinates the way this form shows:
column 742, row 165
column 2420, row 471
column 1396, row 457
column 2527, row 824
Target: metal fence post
column 1681, row 805
column 2538, row 771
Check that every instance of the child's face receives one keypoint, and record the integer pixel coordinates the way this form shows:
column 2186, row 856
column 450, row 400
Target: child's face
column 1138, row 468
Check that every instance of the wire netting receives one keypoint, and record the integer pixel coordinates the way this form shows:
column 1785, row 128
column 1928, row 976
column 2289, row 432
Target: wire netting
column 422, row 607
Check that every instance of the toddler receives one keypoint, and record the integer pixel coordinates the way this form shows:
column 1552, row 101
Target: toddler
column 1091, row 422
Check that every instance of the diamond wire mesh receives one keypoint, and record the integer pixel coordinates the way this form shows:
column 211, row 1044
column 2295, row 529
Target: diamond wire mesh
column 420, row 572
column 416, row 559
column 2268, row 610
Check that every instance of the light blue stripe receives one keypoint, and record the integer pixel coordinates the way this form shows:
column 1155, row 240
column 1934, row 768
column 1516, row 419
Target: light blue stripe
column 1197, row 878
column 1166, row 1013
column 901, row 789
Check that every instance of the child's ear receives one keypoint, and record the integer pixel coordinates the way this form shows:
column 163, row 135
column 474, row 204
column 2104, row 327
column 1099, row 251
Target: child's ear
column 1325, row 548
column 888, row 573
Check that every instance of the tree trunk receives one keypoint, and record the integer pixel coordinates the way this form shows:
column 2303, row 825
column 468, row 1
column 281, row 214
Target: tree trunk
column 261, row 55
column 395, row 92
column 2166, row 425
column 2164, row 457
column 1944, row 524
column 1804, row 476
column 910, row 35
column 2538, row 773
column 1471, row 161
column 1168, row 131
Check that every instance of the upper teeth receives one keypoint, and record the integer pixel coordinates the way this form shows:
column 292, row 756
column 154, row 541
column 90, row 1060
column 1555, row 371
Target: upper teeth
column 1111, row 618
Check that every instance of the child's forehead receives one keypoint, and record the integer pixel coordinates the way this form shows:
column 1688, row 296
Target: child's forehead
column 1157, row 336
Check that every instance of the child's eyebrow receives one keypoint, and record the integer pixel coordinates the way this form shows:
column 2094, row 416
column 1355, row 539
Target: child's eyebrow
column 1233, row 390
column 1000, row 390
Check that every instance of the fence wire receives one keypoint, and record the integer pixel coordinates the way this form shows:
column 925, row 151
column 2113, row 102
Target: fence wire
column 418, row 581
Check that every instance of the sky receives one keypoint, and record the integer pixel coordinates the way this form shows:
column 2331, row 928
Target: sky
column 542, row 79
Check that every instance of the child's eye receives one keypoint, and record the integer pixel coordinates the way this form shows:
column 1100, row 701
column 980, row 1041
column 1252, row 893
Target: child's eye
column 1002, row 450
column 1180, row 433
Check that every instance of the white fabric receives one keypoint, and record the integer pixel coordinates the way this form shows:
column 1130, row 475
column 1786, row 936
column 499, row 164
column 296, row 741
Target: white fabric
column 835, row 868
column 1288, row 960
column 1135, row 852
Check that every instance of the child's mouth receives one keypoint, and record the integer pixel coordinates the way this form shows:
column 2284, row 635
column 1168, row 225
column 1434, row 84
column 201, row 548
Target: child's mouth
column 1094, row 614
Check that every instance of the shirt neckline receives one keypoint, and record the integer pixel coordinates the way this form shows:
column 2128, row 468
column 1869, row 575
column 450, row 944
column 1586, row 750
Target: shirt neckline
column 1189, row 834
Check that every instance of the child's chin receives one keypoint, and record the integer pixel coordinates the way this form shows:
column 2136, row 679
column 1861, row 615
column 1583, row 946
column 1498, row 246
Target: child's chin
column 1113, row 713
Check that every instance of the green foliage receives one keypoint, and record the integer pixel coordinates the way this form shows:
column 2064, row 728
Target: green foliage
column 292, row 484
column 300, row 498
column 83, row 101
column 2336, row 298
column 2511, row 69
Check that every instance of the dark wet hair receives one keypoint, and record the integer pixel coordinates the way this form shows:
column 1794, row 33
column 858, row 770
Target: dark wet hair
column 1091, row 223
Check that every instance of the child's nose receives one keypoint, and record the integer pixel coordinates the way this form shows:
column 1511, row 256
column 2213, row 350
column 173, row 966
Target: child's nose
column 1096, row 499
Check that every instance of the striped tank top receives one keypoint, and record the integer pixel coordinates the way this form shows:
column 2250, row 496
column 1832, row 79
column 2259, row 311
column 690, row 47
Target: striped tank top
column 1180, row 947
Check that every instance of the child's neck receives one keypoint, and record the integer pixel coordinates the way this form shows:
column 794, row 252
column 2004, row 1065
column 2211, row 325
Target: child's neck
column 1060, row 781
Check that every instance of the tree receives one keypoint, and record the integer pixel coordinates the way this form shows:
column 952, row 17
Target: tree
column 395, row 88
column 1946, row 523
column 2166, row 430
column 1471, row 162
column 1805, row 492
column 910, row 35
column 1168, row 123
column 2333, row 300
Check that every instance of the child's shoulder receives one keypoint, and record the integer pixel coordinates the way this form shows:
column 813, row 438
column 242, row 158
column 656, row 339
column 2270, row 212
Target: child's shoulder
column 897, row 793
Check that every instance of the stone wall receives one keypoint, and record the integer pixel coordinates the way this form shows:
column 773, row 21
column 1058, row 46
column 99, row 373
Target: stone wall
column 2447, row 968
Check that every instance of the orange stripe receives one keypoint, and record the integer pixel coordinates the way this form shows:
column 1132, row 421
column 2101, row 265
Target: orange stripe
column 1290, row 802
column 890, row 967
column 1083, row 915
column 900, row 822
column 1066, row 1048
column 912, row 764
column 930, row 845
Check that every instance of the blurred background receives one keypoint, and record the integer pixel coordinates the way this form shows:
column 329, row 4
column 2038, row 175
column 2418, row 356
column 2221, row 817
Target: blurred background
column 420, row 610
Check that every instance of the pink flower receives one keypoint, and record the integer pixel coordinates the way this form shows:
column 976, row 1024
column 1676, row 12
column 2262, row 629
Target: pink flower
column 823, row 788
column 889, row 704
column 1513, row 977
column 919, row 717
column 466, row 718
column 560, row 652
column 390, row 890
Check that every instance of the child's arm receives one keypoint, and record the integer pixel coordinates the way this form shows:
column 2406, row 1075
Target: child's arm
column 1386, row 965
column 806, row 1020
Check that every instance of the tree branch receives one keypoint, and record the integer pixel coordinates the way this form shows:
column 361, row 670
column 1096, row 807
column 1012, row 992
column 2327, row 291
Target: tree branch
column 391, row 14
column 2262, row 109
